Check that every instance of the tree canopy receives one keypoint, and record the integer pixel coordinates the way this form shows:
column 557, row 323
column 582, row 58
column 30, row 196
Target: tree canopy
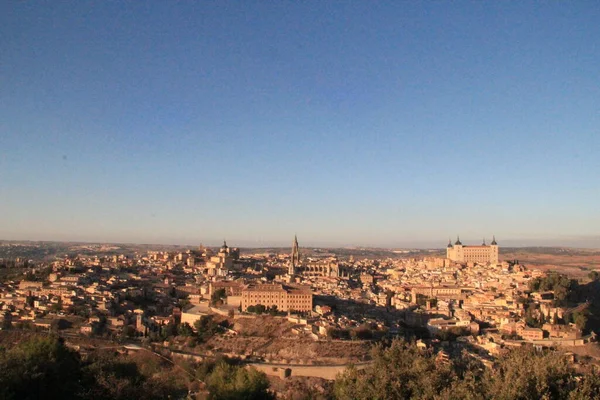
column 233, row 382
column 44, row 368
column 401, row 371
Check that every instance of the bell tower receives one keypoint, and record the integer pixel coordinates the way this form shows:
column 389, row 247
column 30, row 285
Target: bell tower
column 295, row 257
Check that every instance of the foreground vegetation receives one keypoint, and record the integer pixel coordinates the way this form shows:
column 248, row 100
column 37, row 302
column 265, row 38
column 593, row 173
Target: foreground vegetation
column 44, row 368
column 401, row 371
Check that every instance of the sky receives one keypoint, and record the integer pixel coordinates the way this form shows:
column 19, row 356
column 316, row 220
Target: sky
column 354, row 123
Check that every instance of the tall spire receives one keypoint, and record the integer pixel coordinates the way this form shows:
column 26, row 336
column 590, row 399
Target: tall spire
column 483, row 241
column 449, row 242
column 295, row 256
column 458, row 241
column 494, row 241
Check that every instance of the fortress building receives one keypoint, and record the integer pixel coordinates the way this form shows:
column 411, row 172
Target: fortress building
column 482, row 254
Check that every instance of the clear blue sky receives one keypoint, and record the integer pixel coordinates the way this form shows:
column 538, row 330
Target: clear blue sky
column 348, row 123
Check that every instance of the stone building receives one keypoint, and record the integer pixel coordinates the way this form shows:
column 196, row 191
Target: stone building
column 482, row 254
column 222, row 262
column 329, row 267
column 285, row 297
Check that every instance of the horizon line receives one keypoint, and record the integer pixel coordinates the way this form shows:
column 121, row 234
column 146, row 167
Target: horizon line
column 511, row 244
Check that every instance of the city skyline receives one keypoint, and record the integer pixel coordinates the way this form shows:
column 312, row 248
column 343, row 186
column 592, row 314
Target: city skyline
column 350, row 125
column 428, row 244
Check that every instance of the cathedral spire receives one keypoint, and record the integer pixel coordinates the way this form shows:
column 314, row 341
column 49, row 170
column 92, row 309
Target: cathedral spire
column 458, row 241
column 295, row 256
column 494, row 241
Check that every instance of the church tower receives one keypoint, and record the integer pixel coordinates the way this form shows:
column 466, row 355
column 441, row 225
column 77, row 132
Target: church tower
column 295, row 262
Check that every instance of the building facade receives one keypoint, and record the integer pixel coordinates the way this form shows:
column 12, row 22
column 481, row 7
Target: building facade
column 221, row 263
column 482, row 254
column 329, row 267
column 285, row 297
column 294, row 257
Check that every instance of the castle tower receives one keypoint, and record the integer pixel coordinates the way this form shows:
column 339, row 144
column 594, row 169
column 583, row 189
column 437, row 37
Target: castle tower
column 458, row 250
column 450, row 250
column 295, row 257
column 494, row 257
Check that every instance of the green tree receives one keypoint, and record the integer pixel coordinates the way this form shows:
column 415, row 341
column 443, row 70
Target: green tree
column 260, row 309
column 39, row 368
column 532, row 375
column 44, row 368
column 400, row 371
column 218, row 296
column 206, row 327
column 580, row 319
column 235, row 382
column 185, row 329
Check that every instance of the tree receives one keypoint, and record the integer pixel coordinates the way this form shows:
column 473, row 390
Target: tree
column 587, row 388
column 236, row 382
column 58, row 306
column 594, row 275
column 580, row 319
column 44, row 368
column 128, row 332
column 335, row 333
column 532, row 375
column 184, row 304
column 39, row 368
column 363, row 332
column 218, row 296
column 401, row 371
column 206, row 327
column 169, row 330
column 185, row 329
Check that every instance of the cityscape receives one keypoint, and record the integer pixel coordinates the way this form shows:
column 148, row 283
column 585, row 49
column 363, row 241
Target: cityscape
column 300, row 316
column 305, row 200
